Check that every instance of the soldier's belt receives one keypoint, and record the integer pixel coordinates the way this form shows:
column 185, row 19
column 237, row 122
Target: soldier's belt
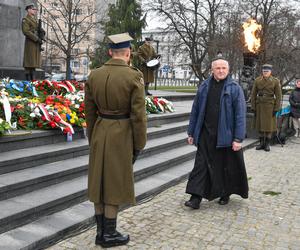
column 265, row 95
column 114, row 116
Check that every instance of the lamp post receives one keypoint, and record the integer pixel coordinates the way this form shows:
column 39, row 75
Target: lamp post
column 156, row 72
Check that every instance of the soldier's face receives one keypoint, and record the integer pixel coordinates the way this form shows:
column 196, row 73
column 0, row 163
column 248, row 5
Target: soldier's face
column 32, row 11
column 220, row 69
column 266, row 73
column 298, row 83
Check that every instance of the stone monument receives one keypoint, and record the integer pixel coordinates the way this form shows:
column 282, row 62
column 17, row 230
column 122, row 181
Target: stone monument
column 12, row 39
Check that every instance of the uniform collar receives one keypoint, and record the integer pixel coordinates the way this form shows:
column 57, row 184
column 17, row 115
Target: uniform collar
column 118, row 62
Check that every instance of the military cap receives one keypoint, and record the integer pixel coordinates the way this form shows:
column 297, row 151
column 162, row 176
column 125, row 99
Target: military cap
column 267, row 67
column 119, row 41
column 30, row 6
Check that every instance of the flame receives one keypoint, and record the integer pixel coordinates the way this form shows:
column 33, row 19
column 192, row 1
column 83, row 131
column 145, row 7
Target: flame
column 251, row 27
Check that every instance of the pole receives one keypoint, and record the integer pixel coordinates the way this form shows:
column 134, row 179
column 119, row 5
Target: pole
column 156, row 72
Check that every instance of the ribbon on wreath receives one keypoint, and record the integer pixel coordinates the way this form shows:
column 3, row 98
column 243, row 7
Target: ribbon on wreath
column 58, row 119
column 6, row 108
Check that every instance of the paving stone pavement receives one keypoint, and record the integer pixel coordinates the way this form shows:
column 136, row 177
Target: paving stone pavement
column 260, row 222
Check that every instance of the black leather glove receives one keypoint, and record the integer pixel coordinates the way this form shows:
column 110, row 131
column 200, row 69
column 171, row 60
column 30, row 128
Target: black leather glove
column 135, row 155
column 274, row 113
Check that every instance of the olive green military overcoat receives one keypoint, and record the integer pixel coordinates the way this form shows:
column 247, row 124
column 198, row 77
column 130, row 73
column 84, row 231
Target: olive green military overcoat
column 265, row 100
column 32, row 54
column 145, row 54
column 119, row 89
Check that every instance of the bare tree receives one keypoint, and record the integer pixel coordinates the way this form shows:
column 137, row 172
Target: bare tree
column 280, row 35
column 196, row 24
column 70, row 22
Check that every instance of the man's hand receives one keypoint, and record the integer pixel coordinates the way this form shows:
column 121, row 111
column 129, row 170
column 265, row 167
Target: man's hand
column 236, row 146
column 135, row 155
column 190, row 140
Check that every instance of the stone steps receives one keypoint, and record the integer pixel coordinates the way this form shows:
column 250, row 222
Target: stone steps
column 40, row 233
column 40, row 201
column 43, row 179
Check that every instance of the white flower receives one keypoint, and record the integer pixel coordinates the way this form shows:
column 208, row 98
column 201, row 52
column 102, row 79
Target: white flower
column 32, row 114
column 77, row 106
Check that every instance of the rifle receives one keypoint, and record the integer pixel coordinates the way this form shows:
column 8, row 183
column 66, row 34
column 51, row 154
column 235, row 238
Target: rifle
column 40, row 31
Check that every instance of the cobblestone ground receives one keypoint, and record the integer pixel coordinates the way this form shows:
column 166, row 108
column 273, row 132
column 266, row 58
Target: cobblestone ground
column 260, row 222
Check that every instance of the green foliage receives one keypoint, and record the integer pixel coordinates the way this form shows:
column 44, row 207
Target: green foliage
column 101, row 55
column 124, row 16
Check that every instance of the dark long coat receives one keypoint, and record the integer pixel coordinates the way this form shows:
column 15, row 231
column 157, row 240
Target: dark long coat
column 146, row 53
column 217, row 171
column 265, row 100
column 294, row 100
column 32, row 53
column 118, row 88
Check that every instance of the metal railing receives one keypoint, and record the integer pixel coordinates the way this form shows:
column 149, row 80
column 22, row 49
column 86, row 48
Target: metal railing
column 173, row 82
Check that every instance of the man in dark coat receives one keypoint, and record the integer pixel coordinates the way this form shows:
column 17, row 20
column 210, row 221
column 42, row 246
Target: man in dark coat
column 265, row 102
column 294, row 100
column 146, row 53
column 32, row 51
column 116, row 125
column 217, row 128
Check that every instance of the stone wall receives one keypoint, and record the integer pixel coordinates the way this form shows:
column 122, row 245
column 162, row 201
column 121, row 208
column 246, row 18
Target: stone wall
column 12, row 38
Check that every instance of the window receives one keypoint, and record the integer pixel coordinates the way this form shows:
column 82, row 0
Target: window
column 78, row 11
column 76, row 64
column 75, row 51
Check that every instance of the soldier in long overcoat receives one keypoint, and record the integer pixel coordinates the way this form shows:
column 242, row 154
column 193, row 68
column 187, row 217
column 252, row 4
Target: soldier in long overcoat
column 116, row 126
column 146, row 53
column 32, row 52
column 265, row 102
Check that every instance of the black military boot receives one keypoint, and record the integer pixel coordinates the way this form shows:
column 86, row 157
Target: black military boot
column 261, row 144
column 99, row 236
column 194, row 202
column 147, row 89
column 267, row 145
column 27, row 76
column 111, row 237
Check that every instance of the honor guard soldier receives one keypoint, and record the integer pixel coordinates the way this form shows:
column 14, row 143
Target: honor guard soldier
column 146, row 53
column 32, row 51
column 265, row 102
column 116, row 126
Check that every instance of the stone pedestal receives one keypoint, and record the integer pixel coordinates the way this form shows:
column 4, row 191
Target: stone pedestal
column 12, row 39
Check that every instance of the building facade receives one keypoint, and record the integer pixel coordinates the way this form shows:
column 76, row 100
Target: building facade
column 79, row 24
column 174, row 59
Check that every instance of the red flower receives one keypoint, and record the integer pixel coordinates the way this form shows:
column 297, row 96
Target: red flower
column 57, row 119
column 52, row 124
column 66, row 130
column 39, row 124
column 43, row 118
column 45, row 92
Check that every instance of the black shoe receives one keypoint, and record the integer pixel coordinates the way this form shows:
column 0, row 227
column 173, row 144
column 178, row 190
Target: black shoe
column 148, row 93
column 261, row 144
column 99, row 236
column 224, row 200
column 194, row 202
column 111, row 237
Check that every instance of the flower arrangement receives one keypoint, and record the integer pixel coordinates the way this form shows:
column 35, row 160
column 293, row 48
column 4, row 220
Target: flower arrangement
column 156, row 105
column 51, row 105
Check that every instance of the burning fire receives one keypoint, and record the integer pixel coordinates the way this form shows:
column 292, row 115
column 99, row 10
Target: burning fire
column 251, row 28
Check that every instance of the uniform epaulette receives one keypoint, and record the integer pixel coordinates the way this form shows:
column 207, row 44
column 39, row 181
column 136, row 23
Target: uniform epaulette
column 132, row 67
